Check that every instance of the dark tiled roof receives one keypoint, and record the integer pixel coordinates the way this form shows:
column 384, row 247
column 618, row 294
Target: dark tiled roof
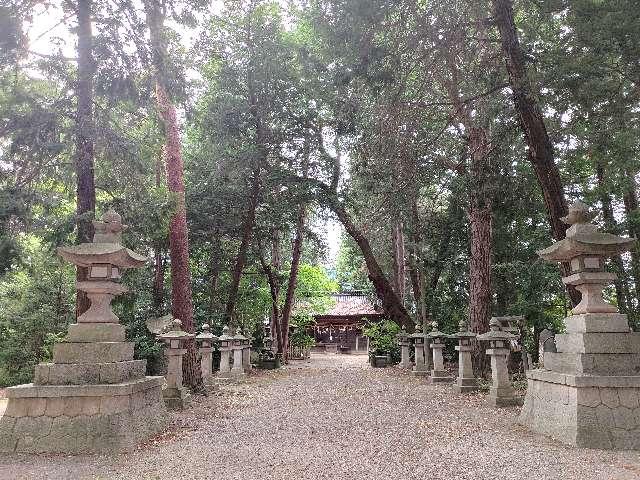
column 352, row 306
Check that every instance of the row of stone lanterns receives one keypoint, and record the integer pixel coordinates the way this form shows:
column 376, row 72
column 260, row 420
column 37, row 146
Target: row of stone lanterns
column 501, row 392
column 232, row 347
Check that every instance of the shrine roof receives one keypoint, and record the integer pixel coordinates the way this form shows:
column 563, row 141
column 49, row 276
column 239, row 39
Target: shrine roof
column 352, row 306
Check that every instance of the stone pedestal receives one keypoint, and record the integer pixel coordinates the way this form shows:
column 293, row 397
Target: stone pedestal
column 403, row 342
column 466, row 381
column 419, row 368
column 93, row 397
column 225, row 345
column 205, row 341
column 176, row 397
column 588, row 393
column 438, row 374
column 238, row 368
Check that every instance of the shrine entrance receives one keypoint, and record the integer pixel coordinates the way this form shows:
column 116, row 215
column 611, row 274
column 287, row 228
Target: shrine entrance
column 340, row 330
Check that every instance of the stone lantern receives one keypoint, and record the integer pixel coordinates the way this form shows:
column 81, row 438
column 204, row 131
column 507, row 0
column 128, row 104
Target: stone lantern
column 246, row 352
column 501, row 393
column 93, row 397
column 175, row 395
column 403, row 341
column 225, row 345
column 267, row 341
column 438, row 374
column 466, row 381
column 238, row 344
column 589, row 386
column 420, row 368
column 206, row 341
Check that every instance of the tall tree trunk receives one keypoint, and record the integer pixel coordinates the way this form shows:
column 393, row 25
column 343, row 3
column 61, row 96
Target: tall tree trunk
column 181, row 299
column 481, row 245
column 247, row 233
column 85, row 131
column 397, row 238
column 159, row 263
column 610, row 225
column 534, row 129
column 214, row 272
column 274, row 290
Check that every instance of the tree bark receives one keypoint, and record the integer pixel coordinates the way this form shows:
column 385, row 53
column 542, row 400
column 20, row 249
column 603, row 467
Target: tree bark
column 181, row 298
column 214, row 272
column 274, row 290
column 85, row 132
column 532, row 123
column 397, row 237
column 630, row 199
column 245, row 242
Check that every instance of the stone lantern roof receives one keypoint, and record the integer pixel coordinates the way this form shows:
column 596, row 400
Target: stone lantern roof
column 225, row 334
column 495, row 333
column 176, row 332
column 418, row 332
column 105, row 248
column 435, row 333
column 583, row 238
column 463, row 331
column 206, row 334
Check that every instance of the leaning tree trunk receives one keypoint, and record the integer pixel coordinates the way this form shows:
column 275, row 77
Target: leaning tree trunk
column 84, row 159
column 241, row 259
column 533, row 127
column 181, row 299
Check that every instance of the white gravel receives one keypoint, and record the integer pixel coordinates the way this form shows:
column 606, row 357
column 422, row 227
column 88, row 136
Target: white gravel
column 336, row 418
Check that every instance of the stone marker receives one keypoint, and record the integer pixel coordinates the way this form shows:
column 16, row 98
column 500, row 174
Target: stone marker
column 466, row 381
column 501, row 393
column 225, row 345
column 93, row 397
column 438, row 374
column 420, row 368
column 176, row 397
column 238, row 346
column 588, row 393
column 403, row 341
column 206, row 340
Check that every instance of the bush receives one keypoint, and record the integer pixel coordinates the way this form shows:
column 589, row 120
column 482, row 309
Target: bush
column 382, row 339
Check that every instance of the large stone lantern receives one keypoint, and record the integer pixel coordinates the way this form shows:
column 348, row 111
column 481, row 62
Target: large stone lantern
column 587, row 393
column 93, row 397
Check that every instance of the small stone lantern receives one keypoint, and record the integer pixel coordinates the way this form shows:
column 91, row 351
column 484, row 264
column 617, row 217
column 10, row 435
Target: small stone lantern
column 225, row 344
column 501, row 393
column 246, row 352
column 420, row 368
column 267, row 341
column 175, row 395
column 438, row 374
column 238, row 346
column 466, row 381
column 403, row 341
column 206, row 340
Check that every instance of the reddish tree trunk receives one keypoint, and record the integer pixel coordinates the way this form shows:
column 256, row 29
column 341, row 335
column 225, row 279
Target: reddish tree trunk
column 181, row 299
column 481, row 245
column 630, row 199
column 84, row 159
column 533, row 127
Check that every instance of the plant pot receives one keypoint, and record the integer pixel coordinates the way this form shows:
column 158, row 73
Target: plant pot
column 269, row 363
column 379, row 361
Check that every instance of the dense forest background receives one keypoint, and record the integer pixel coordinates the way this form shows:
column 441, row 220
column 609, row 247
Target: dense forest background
column 447, row 138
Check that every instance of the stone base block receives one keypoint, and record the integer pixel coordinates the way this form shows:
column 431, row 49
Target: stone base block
column 593, row 363
column 440, row 376
column 88, row 373
column 601, row 342
column 76, row 419
column 95, row 332
column 465, row 385
column 585, row 411
column 107, row 352
column 504, row 401
column 597, row 322
column 176, row 398
column 420, row 373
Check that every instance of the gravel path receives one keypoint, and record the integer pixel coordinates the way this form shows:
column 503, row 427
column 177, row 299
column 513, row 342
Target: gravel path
column 337, row 418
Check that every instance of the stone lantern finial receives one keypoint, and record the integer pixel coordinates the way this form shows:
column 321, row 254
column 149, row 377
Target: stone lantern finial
column 579, row 212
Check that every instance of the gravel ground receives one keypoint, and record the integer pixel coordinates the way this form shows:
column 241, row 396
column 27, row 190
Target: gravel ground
column 335, row 417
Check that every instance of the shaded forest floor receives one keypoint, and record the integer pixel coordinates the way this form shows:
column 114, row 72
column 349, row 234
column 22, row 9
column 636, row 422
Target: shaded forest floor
column 335, row 417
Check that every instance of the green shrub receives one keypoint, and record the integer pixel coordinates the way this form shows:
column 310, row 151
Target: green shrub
column 382, row 339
